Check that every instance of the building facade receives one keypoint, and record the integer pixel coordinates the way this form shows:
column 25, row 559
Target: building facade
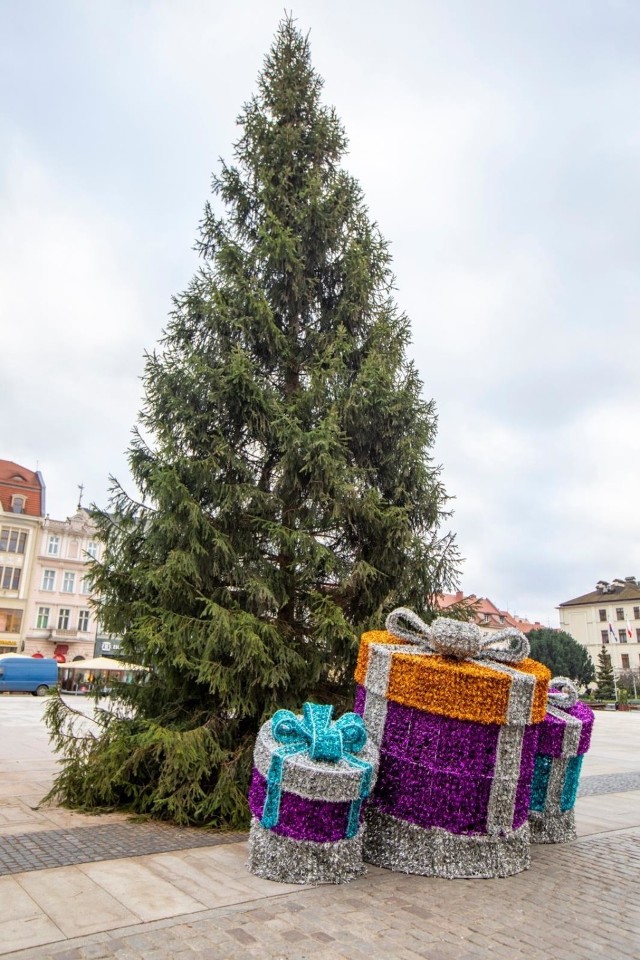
column 22, row 506
column 607, row 616
column 60, row 619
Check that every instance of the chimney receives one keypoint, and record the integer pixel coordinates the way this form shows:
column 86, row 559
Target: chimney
column 459, row 596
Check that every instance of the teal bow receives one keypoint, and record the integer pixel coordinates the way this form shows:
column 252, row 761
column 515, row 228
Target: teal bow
column 323, row 739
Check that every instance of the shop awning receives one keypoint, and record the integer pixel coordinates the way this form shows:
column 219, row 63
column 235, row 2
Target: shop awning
column 102, row 663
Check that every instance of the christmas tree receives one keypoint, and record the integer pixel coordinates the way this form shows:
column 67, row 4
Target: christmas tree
column 604, row 676
column 288, row 496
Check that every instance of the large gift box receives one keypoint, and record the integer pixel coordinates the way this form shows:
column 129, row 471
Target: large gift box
column 456, row 717
column 310, row 780
column 565, row 736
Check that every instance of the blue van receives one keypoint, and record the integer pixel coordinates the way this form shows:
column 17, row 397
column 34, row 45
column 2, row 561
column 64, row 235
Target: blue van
column 30, row 674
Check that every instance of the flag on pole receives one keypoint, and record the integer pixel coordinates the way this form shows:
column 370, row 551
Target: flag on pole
column 629, row 631
column 612, row 632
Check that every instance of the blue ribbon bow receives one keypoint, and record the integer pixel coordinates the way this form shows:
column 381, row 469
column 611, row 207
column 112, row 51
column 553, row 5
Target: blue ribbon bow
column 323, row 739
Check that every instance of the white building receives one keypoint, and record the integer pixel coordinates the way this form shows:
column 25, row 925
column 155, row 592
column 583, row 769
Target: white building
column 609, row 616
column 60, row 618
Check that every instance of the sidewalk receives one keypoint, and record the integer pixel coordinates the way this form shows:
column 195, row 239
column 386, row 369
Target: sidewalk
column 183, row 893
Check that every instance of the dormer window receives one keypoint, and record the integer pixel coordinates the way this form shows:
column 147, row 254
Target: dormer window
column 18, row 504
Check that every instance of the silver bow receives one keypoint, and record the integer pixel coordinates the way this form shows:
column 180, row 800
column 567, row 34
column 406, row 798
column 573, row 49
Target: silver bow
column 457, row 638
column 563, row 693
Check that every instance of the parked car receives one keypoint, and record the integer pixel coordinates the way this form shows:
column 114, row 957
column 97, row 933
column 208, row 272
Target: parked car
column 29, row 674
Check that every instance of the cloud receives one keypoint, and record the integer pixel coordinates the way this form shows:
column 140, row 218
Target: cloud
column 498, row 149
column 74, row 335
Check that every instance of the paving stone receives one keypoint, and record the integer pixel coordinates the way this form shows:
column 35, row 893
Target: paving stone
column 22, row 852
column 608, row 783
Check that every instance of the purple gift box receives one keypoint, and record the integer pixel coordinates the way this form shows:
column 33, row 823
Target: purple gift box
column 565, row 737
column 310, row 782
column 301, row 818
column 437, row 771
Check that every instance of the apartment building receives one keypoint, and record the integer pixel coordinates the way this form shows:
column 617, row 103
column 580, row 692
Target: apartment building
column 60, row 619
column 22, row 507
column 609, row 616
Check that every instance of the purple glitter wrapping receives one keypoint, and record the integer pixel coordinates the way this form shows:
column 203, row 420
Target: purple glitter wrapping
column 301, row 818
column 438, row 771
column 361, row 699
column 552, row 731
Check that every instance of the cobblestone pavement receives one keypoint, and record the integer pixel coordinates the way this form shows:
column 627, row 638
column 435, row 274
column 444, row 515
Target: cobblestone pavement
column 608, row 783
column 58, row 848
column 144, row 891
column 577, row 902
column 20, row 852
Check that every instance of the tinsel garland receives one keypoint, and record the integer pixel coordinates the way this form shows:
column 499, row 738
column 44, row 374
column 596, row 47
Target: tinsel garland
column 405, row 847
column 276, row 857
column 565, row 736
column 458, row 740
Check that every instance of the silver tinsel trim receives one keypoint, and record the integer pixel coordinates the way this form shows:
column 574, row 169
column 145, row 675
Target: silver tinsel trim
column 315, row 779
column 552, row 827
column 504, row 787
column 300, row 861
column 401, row 846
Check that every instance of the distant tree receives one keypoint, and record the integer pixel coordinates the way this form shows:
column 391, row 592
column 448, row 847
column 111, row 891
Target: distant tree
column 629, row 680
column 288, row 496
column 604, row 677
column 564, row 656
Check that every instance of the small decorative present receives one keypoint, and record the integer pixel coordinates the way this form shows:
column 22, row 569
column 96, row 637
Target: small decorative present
column 310, row 780
column 565, row 736
column 456, row 715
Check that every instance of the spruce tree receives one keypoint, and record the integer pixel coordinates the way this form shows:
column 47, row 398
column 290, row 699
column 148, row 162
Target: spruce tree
column 287, row 493
column 604, row 676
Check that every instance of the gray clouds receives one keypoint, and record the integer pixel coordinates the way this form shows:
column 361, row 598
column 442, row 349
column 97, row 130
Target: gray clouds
column 498, row 147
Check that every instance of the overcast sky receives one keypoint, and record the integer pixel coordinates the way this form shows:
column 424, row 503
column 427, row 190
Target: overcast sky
column 498, row 145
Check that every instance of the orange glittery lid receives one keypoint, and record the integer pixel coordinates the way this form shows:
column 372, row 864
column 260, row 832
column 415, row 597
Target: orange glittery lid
column 463, row 689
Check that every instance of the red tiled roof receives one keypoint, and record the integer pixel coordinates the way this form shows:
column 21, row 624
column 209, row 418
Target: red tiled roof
column 16, row 480
column 487, row 614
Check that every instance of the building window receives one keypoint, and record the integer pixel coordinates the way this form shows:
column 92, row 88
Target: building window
column 43, row 618
column 69, row 582
column 53, row 546
column 604, row 636
column 619, row 613
column 18, row 504
column 10, row 621
column 83, row 621
column 92, row 549
column 637, row 634
column 48, row 579
column 85, row 585
column 602, row 614
column 625, row 661
column 10, row 578
column 622, row 636
column 63, row 618
column 12, row 541
column 636, row 613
